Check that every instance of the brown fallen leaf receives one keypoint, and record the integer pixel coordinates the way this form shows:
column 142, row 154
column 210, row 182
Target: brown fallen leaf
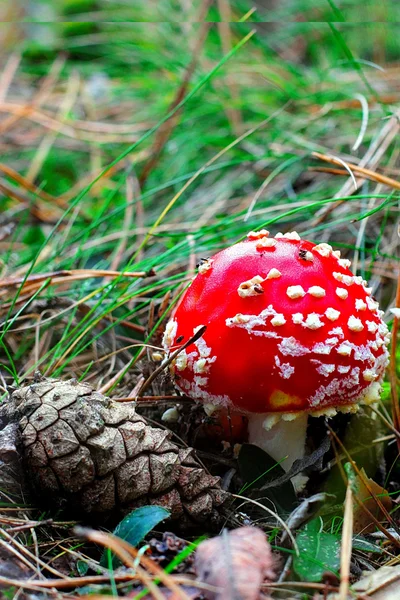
column 236, row 563
column 382, row 584
column 366, row 492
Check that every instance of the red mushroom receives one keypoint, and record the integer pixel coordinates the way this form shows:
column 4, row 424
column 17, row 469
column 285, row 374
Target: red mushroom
column 291, row 332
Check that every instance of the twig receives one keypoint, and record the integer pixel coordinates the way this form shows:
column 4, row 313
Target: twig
column 277, row 517
column 45, row 214
column 131, row 557
column 33, row 282
column 366, row 173
column 22, row 550
column 346, row 546
column 65, row 584
column 372, row 157
column 30, row 187
column 8, row 74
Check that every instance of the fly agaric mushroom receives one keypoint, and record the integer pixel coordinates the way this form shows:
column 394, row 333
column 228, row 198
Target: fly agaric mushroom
column 290, row 332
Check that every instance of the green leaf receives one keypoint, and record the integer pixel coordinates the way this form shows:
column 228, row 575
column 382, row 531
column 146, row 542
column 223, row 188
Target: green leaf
column 133, row 528
column 319, row 552
column 82, row 567
column 360, row 543
column 256, row 469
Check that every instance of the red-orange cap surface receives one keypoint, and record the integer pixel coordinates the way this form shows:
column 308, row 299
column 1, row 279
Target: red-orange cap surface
column 289, row 328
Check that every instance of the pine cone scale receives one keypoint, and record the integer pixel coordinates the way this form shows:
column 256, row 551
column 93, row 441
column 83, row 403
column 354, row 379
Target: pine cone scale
column 75, row 470
column 58, row 439
column 137, row 470
column 43, row 417
column 108, row 450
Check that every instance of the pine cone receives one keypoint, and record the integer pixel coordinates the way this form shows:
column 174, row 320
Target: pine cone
column 87, row 453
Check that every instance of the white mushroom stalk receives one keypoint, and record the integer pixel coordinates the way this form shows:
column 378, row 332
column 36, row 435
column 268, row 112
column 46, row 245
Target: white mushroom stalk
column 284, row 440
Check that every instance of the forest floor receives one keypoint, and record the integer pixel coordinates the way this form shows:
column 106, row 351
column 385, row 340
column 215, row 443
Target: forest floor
column 130, row 151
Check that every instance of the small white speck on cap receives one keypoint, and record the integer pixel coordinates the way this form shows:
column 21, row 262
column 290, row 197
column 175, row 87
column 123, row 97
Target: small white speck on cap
column 372, row 326
column 181, row 361
column 256, row 235
column 252, row 287
column 200, row 366
column 279, row 235
column 332, row 314
column 316, row 291
column 313, row 321
column 336, row 331
column 295, row 291
column 292, row 235
column 357, row 279
column 323, row 249
column 265, row 242
column 345, row 263
column 368, row 290
column 342, row 293
column 369, row 375
column 355, row 324
column 323, row 348
column 170, row 333
column 348, row 279
column 383, row 328
column 286, row 370
column 205, row 266
column 360, row 304
column 239, row 319
column 278, row 320
column 297, row 318
column 343, row 368
column 273, row 274
column 309, row 256
column 372, row 305
column 336, row 253
column 325, row 370
column 344, row 349
column 338, row 276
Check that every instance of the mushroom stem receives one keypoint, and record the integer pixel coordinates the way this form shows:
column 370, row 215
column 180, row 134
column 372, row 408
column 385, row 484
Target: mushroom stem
column 285, row 441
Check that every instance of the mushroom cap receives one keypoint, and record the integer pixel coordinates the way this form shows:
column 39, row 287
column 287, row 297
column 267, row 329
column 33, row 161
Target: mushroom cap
column 289, row 329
